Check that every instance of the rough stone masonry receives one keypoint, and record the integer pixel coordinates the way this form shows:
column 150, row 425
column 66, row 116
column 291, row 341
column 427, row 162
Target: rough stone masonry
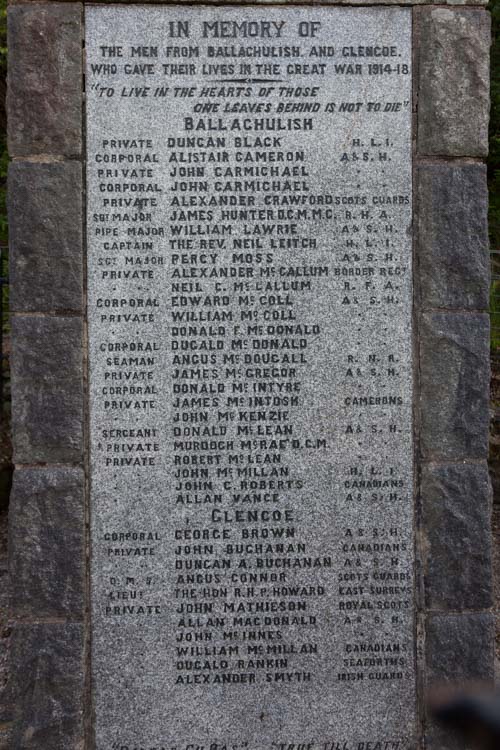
column 250, row 277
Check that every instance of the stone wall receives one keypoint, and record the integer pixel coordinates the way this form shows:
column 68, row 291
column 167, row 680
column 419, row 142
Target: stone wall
column 451, row 255
column 47, row 512
column 47, row 705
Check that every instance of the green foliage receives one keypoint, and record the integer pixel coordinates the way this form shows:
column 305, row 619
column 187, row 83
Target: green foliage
column 495, row 315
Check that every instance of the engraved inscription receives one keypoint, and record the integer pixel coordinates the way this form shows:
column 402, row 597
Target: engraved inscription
column 249, row 302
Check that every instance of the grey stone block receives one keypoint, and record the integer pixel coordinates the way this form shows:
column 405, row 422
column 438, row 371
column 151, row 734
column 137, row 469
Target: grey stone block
column 454, row 385
column 454, row 264
column 45, row 230
column 456, row 519
column 47, row 662
column 453, row 81
column 459, row 648
column 459, row 652
column 47, row 389
column 46, row 543
column 44, row 101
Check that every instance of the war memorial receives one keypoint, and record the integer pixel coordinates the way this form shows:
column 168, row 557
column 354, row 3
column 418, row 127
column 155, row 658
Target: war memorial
column 250, row 276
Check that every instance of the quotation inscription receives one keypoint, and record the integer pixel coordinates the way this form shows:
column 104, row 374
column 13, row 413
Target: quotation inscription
column 250, row 292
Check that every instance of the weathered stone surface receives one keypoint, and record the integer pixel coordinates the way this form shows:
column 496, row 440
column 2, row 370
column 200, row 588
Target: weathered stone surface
column 45, row 230
column 454, row 385
column 45, row 79
column 46, row 542
column 47, row 389
column 48, row 688
column 456, row 511
column 453, row 259
column 453, row 79
column 459, row 648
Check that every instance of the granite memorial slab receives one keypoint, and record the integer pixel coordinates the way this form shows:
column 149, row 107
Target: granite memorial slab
column 249, row 206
